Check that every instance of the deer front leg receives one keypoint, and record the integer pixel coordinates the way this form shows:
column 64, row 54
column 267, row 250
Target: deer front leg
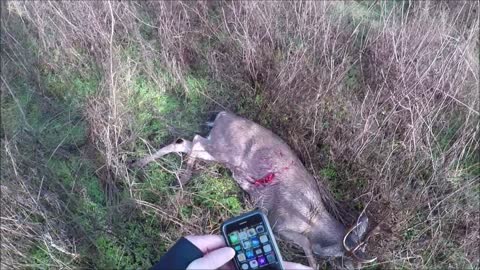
column 195, row 149
column 198, row 151
column 180, row 146
column 303, row 242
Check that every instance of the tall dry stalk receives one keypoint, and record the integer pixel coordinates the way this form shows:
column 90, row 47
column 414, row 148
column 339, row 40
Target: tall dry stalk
column 384, row 93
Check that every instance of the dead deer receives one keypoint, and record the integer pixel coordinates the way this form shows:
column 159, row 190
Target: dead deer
column 268, row 170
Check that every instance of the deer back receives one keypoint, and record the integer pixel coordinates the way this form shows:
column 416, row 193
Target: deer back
column 267, row 168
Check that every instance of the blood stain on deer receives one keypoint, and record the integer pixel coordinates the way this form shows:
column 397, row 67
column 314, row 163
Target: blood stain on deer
column 267, row 179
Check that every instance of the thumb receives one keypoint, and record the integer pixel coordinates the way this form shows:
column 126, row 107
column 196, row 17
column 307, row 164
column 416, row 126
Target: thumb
column 295, row 266
column 213, row 260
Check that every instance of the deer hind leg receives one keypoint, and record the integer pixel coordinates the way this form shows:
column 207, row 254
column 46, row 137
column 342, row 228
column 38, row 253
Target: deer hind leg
column 198, row 151
column 302, row 241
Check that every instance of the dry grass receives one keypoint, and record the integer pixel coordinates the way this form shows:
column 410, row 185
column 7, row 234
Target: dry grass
column 380, row 101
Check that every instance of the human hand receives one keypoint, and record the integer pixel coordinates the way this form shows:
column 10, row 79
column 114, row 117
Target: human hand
column 295, row 266
column 217, row 254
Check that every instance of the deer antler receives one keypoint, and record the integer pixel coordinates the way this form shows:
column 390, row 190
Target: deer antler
column 351, row 252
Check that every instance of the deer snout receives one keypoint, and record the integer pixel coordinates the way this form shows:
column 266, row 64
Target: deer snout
column 334, row 240
column 327, row 238
column 356, row 239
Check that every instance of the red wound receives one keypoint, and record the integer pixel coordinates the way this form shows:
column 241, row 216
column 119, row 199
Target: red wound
column 267, row 179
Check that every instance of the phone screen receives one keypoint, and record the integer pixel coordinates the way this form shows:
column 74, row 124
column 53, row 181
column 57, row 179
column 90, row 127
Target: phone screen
column 254, row 246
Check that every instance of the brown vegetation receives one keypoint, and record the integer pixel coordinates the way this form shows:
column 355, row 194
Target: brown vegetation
column 379, row 99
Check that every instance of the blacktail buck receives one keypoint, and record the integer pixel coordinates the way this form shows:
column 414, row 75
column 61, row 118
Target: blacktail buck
column 269, row 171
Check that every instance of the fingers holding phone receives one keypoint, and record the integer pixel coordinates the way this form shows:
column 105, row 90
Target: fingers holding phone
column 216, row 253
column 252, row 239
column 211, row 252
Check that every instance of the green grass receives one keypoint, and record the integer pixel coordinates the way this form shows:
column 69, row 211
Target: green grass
column 40, row 257
column 159, row 112
column 134, row 244
column 331, row 175
column 338, row 186
column 446, row 137
column 217, row 191
column 48, row 125
column 162, row 112
column 53, row 131
column 111, row 254
column 85, row 199
column 74, row 85
column 151, row 108
column 352, row 79
column 11, row 111
column 157, row 183
column 61, row 124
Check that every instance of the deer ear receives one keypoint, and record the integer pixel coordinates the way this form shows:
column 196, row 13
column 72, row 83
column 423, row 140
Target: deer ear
column 335, row 250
